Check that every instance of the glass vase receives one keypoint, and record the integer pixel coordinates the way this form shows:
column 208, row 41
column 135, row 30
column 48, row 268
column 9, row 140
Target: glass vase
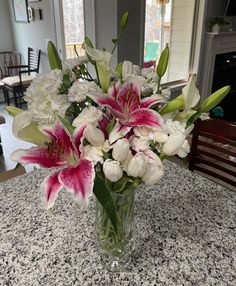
column 115, row 248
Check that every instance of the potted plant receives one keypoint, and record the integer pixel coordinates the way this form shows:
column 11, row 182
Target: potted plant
column 215, row 23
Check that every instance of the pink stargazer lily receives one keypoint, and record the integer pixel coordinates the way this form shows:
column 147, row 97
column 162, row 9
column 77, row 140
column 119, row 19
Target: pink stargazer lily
column 126, row 105
column 78, row 174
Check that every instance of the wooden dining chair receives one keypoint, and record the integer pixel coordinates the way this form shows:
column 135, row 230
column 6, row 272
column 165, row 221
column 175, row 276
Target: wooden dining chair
column 213, row 150
column 8, row 59
column 17, row 85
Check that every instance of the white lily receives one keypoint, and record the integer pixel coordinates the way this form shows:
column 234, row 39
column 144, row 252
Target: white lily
column 24, row 128
column 94, row 135
column 103, row 60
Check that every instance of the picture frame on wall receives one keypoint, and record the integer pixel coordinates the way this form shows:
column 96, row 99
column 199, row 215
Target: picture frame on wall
column 20, row 11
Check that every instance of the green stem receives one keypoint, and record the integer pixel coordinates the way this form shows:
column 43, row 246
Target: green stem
column 121, row 32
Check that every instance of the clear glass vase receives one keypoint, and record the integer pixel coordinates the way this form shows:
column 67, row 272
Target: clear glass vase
column 115, row 248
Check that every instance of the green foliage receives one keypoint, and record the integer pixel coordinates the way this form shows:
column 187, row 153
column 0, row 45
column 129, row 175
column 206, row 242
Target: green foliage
column 124, row 20
column 111, row 125
column 53, row 57
column 103, row 195
column 119, row 69
column 67, row 125
column 163, row 62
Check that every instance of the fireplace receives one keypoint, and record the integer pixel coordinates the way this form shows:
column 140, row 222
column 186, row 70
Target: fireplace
column 225, row 74
column 219, row 69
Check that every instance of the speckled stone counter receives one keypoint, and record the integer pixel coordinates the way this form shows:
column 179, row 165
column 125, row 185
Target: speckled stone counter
column 186, row 235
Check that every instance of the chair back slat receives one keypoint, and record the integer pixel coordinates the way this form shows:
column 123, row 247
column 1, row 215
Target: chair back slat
column 9, row 58
column 213, row 149
column 34, row 59
column 216, row 175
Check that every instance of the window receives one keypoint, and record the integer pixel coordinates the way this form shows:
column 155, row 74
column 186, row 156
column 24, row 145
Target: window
column 73, row 16
column 170, row 22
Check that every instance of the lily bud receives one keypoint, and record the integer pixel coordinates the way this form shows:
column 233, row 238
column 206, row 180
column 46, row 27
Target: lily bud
column 175, row 104
column 137, row 165
column 112, row 170
column 94, row 135
column 212, row 100
column 120, row 150
column 173, row 144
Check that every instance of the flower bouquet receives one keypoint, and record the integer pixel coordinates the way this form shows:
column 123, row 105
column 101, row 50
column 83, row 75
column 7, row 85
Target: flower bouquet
column 105, row 135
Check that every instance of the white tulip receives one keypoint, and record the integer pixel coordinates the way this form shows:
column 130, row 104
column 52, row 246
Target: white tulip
column 94, row 135
column 173, row 144
column 153, row 173
column 120, row 149
column 112, row 170
column 137, row 165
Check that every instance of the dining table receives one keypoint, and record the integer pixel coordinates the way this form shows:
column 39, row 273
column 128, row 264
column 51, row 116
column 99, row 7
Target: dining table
column 185, row 234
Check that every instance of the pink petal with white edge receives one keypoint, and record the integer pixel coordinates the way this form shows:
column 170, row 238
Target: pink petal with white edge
column 63, row 138
column 50, row 188
column 118, row 131
column 78, row 137
column 147, row 102
column 145, row 117
column 129, row 97
column 109, row 101
column 40, row 156
column 79, row 181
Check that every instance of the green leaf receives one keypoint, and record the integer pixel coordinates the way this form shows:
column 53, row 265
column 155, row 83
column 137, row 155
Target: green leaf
column 193, row 118
column 88, row 42
column 163, row 62
column 215, row 98
column 119, row 69
column 121, row 184
column 53, row 57
column 67, row 125
column 111, row 125
column 105, row 155
column 114, row 41
column 104, row 197
column 13, row 111
column 124, row 20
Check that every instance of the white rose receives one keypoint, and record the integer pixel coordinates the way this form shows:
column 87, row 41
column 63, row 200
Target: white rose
column 89, row 114
column 120, row 149
column 173, row 144
column 94, row 135
column 112, row 170
column 137, row 165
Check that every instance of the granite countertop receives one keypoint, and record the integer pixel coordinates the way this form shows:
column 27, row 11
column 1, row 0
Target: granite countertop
column 186, row 235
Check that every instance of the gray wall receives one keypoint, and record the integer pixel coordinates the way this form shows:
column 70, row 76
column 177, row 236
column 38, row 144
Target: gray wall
column 34, row 34
column 132, row 42
column 6, row 40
